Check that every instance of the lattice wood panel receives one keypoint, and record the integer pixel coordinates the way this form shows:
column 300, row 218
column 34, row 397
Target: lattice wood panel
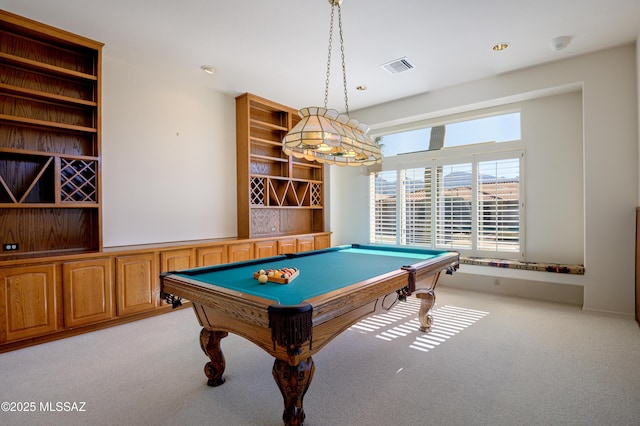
column 78, row 181
column 257, row 194
column 316, row 194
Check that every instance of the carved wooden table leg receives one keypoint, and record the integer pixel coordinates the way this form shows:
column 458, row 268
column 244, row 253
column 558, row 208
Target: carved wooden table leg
column 293, row 381
column 210, row 344
column 427, row 300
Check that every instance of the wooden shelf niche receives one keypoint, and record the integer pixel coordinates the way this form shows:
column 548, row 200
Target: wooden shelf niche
column 49, row 139
column 277, row 194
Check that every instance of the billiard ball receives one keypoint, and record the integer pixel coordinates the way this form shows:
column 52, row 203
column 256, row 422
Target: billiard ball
column 262, row 278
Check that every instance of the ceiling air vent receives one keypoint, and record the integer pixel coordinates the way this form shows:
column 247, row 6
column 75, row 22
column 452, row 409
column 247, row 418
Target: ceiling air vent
column 397, row 66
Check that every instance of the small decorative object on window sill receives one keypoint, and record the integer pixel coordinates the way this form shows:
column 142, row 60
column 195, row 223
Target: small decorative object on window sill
column 325, row 135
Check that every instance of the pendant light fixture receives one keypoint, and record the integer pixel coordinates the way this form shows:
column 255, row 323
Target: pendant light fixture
column 327, row 136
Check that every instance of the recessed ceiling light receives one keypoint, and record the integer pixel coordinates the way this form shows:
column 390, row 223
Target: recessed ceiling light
column 499, row 47
column 209, row 69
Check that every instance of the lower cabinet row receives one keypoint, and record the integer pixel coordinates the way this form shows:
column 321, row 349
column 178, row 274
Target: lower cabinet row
column 43, row 299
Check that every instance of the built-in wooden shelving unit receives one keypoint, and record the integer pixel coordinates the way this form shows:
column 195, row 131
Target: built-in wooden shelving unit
column 49, row 139
column 277, row 194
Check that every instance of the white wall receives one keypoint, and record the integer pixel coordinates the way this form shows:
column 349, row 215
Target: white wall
column 610, row 160
column 553, row 180
column 168, row 158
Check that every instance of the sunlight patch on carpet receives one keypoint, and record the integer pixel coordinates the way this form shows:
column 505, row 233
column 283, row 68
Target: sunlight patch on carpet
column 402, row 322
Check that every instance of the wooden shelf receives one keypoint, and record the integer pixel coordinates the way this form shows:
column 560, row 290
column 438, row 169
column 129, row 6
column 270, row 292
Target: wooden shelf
column 309, row 165
column 43, row 67
column 288, row 207
column 47, row 154
column 50, row 124
column 49, row 138
column 288, row 178
column 267, row 158
column 269, row 176
column 307, row 180
column 65, row 205
column 271, row 126
column 36, row 94
column 266, row 142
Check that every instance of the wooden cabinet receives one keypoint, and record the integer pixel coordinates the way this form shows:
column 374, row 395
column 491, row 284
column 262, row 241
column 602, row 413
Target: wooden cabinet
column 49, row 138
column 176, row 260
column 287, row 245
column 240, row 252
column 306, row 244
column 278, row 195
column 28, row 302
column 322, row 241
column 88, row 292
column 208, row 256
column 265, row 249
column 43, row 299
column 137, row 283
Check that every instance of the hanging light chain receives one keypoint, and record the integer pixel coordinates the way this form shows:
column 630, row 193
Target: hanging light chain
column 344, row 69
column 327, row 136
column 326, row 84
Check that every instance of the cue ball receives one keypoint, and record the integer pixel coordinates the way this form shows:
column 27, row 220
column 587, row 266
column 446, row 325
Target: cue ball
column 262, row 279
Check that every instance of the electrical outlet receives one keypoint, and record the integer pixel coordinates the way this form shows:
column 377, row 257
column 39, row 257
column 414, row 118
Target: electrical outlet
column 10, row 246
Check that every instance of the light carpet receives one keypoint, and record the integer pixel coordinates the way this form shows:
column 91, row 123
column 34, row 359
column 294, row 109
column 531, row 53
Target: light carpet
column 490, row 360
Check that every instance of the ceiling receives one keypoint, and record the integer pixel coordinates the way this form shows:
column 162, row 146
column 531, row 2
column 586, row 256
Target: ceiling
column 278, row 49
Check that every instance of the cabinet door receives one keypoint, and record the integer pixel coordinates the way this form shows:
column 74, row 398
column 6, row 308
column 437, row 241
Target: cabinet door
column 321, row 242
column 208, row 256
column 137, row 283
column 264, row 249
column 177, row 260
column 28, row 302
column 87, row 292
column 305, row 244
column 240, row 252
column 287, row 246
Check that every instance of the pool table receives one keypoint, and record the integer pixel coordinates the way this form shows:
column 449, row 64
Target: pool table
column 334, row 288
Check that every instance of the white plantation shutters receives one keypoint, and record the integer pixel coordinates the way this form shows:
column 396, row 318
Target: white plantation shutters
column 383, row 203
column 453, row 218
column 499, row 205
column 416, row 206
column 473, row 207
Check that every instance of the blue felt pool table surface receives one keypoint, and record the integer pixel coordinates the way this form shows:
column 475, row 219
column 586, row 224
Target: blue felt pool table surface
column 321, row 271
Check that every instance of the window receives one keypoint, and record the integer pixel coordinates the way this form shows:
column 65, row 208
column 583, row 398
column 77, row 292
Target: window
column 472, row 206
column 384, row 204
column 451, row 190
column 495, row 128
